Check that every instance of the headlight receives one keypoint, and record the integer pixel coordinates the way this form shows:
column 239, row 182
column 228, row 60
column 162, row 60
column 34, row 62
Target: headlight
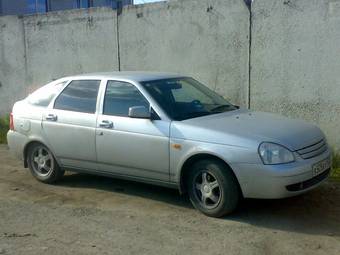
column 272, row 154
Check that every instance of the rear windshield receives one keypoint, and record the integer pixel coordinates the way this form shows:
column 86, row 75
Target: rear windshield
column 42, row 97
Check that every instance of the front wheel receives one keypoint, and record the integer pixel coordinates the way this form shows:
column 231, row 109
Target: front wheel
column 42, row 164
column 213, row 188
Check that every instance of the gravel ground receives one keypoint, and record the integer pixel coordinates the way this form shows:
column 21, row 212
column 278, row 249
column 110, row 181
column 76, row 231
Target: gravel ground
column 95, row 215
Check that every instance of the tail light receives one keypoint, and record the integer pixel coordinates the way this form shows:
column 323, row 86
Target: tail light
column 11, row 122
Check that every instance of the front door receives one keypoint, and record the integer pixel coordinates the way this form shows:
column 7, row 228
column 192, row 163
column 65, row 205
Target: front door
column 130, row 146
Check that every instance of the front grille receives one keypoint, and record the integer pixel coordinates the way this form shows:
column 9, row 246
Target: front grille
column 309, row 183
column 313, row 150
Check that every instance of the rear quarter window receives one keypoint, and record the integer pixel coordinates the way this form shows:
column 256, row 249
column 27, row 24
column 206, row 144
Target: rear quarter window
column 43, row 96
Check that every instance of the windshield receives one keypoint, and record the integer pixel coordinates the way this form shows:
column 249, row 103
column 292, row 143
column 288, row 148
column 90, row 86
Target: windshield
column 185, row 98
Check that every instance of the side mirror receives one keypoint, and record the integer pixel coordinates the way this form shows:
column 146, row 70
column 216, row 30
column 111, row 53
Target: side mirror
column 140, row 112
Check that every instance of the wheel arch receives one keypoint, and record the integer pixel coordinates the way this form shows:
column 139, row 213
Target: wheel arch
column 30, row 143
column 195, row 158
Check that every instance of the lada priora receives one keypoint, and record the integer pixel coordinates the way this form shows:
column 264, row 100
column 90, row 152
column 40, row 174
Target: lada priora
column 168, row 130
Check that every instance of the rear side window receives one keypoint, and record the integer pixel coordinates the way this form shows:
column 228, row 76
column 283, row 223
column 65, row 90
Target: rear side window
column 79, row 96
column 43, row 96
column 120, row 96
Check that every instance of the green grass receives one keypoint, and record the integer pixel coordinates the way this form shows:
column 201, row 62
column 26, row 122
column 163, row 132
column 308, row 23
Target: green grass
column 4, row 126
column 336, row 165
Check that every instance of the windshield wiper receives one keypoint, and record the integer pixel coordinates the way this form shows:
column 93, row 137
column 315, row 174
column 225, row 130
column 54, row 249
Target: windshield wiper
column 221, row 107
column 196, row 114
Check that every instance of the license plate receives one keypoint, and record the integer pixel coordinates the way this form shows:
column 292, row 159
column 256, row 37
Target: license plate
column 321, row 166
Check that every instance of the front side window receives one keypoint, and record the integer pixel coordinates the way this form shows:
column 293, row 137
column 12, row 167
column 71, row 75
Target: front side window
column 79, row 96
column 43, row 96
column 120, row 96
column 184, row 98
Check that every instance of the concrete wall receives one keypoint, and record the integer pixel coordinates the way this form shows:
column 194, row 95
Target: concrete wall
column 70, row 42
column 295, row 61
column 36, row 49
column 12, row 62
column 207, row 39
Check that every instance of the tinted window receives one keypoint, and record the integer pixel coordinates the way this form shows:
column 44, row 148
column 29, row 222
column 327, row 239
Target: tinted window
column 44, row 95
column 120, row 96
column 79, row 96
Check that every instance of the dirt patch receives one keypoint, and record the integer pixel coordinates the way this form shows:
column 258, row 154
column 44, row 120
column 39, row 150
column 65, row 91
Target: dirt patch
column 86, row 214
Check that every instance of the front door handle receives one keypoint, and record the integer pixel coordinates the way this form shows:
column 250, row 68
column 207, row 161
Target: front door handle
column 106, row 124
column 51, row 117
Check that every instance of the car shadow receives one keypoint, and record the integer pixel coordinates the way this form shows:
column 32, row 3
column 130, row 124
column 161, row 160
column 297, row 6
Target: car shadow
column 316, row 212
column 308, row 213
column 131, row 188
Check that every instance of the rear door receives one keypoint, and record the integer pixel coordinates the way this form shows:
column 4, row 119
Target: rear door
column 131, row 146
column 69, row 124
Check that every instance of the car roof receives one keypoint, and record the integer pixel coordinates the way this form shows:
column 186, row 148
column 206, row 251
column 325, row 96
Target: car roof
column 130, row 75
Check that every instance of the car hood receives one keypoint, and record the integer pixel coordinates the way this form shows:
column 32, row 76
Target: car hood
column 248, row 129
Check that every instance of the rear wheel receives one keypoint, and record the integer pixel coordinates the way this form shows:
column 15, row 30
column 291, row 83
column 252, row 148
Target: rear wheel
column 213, row 188
column 42, row 164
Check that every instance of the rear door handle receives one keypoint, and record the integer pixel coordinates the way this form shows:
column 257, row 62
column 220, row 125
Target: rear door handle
column 51, row 117
column 106, row 124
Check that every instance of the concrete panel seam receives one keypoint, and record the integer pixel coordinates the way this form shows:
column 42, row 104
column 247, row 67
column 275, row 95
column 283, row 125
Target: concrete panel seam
column 249, row 54
column 25, row 51
column 117, row 33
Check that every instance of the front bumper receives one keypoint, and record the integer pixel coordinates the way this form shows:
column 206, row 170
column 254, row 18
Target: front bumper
column 280, row 181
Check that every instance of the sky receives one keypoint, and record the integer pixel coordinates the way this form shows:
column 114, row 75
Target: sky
column 145, row 1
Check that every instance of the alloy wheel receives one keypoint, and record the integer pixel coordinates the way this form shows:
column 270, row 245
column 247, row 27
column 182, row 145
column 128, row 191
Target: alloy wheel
column 207, row 189
column 42, row 161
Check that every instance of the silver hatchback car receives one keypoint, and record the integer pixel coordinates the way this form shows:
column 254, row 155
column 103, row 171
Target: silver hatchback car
column 167, row 130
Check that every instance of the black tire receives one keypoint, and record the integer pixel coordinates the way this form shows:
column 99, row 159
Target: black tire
column 42, row 164
column 201, row 186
